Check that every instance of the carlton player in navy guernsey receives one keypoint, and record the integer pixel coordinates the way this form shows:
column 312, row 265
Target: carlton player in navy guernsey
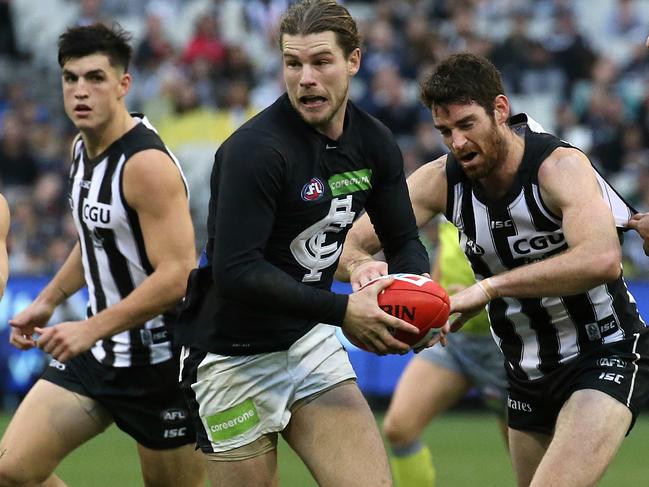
column 538, row 225
column 261, row 354
column 130, row 206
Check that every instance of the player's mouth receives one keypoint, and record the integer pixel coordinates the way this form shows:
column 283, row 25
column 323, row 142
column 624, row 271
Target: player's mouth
column 312, row 101
column 468, row 157
column 82, row 110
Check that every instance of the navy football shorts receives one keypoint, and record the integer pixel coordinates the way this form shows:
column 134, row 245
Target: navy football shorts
column 146, row 402
column 619, row 369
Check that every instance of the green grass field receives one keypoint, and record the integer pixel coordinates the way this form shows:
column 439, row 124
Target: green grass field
column 467, row 449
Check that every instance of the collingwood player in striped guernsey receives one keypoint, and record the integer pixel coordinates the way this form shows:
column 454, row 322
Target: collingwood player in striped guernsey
column 135, row 250
column 538, row 225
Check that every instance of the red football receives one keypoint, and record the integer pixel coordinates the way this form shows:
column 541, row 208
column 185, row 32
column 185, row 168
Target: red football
column 416, row 300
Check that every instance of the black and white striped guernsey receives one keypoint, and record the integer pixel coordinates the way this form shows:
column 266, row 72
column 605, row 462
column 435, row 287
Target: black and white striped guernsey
column 536, row 335
column 112, row 246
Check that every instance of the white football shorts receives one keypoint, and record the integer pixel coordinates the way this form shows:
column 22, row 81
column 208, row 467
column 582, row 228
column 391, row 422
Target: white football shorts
column 242, row 398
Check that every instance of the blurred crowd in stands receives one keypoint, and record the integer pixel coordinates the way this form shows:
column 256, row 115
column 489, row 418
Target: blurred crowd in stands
column 202, row 67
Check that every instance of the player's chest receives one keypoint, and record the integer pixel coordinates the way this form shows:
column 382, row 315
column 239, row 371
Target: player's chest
column 517, row 233
column 97, row 202
column 327, row 180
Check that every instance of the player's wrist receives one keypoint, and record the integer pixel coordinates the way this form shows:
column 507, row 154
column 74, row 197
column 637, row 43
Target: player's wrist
column 487, row 287
column 355, row 264
column 53, row 295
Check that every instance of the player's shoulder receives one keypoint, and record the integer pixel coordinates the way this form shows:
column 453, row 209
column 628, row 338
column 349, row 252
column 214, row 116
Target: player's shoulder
column 369, row 129
column 141, row 137
column 434, row 170
column 273, row 127
column 564, row 159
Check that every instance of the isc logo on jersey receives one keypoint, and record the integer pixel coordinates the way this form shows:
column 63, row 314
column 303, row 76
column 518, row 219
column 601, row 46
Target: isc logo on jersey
column 313, row 190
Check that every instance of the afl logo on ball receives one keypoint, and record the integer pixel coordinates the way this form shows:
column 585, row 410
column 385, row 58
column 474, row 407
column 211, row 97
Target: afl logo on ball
column 313, row 190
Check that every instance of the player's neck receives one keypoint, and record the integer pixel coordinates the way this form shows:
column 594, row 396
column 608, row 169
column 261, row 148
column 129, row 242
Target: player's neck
column 98, row 140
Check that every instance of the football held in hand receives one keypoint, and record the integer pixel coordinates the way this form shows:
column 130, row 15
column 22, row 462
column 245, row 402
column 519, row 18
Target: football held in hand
column 416, row 300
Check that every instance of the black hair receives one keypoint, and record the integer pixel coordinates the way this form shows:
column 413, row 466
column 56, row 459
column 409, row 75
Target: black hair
column 85, row 40
column 463, row 78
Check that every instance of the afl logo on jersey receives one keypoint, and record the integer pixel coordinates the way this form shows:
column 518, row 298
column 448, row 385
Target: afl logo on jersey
column 313, row 190
column 471, row 248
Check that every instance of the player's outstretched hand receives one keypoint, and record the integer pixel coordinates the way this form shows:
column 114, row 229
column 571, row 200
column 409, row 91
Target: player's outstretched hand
column 367, row 271
column 640, row 223
column 36, row 314
column 370, row 325
column 66, row 340
column 468, row 303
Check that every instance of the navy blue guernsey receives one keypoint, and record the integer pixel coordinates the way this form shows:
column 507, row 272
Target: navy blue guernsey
column 283, row 198
column 536, row 335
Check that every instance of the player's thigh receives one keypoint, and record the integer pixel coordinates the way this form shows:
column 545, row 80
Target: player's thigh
column 424, row 390
column 336, row 436
column 49, row 423
column 173, row 467
column 526, row 449
column 589, row 431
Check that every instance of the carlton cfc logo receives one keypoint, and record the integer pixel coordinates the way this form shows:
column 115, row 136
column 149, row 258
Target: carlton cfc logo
column 313, row 190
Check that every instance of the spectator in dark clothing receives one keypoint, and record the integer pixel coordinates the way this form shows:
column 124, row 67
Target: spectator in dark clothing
column 572, row 54
column 17, row 165
column 8, row 46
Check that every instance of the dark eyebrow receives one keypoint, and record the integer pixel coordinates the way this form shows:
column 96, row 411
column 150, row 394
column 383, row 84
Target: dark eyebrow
column 92, row 72
column 325, row 51
column 468, row 118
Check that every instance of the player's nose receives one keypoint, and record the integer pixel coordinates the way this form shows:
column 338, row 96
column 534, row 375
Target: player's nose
column 458, row 140
column 308, row 75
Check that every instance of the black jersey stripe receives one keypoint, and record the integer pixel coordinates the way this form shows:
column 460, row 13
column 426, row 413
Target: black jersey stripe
column 580, row 310
column 625, row 310
column 538, row 211
column 500, row 235
column 511, row 343
column 134, row 223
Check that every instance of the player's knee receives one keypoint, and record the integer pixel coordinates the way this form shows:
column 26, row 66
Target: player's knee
column 398, row 432
column 12, row 475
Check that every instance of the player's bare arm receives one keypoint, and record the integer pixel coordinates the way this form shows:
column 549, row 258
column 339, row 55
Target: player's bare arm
column 427, row 189
column 162, row 208
column 570, row 189
column 67, row 281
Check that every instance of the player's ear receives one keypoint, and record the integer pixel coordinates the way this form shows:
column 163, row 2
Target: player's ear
column 124, row 84
column 501, row 109
column 354, row 62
